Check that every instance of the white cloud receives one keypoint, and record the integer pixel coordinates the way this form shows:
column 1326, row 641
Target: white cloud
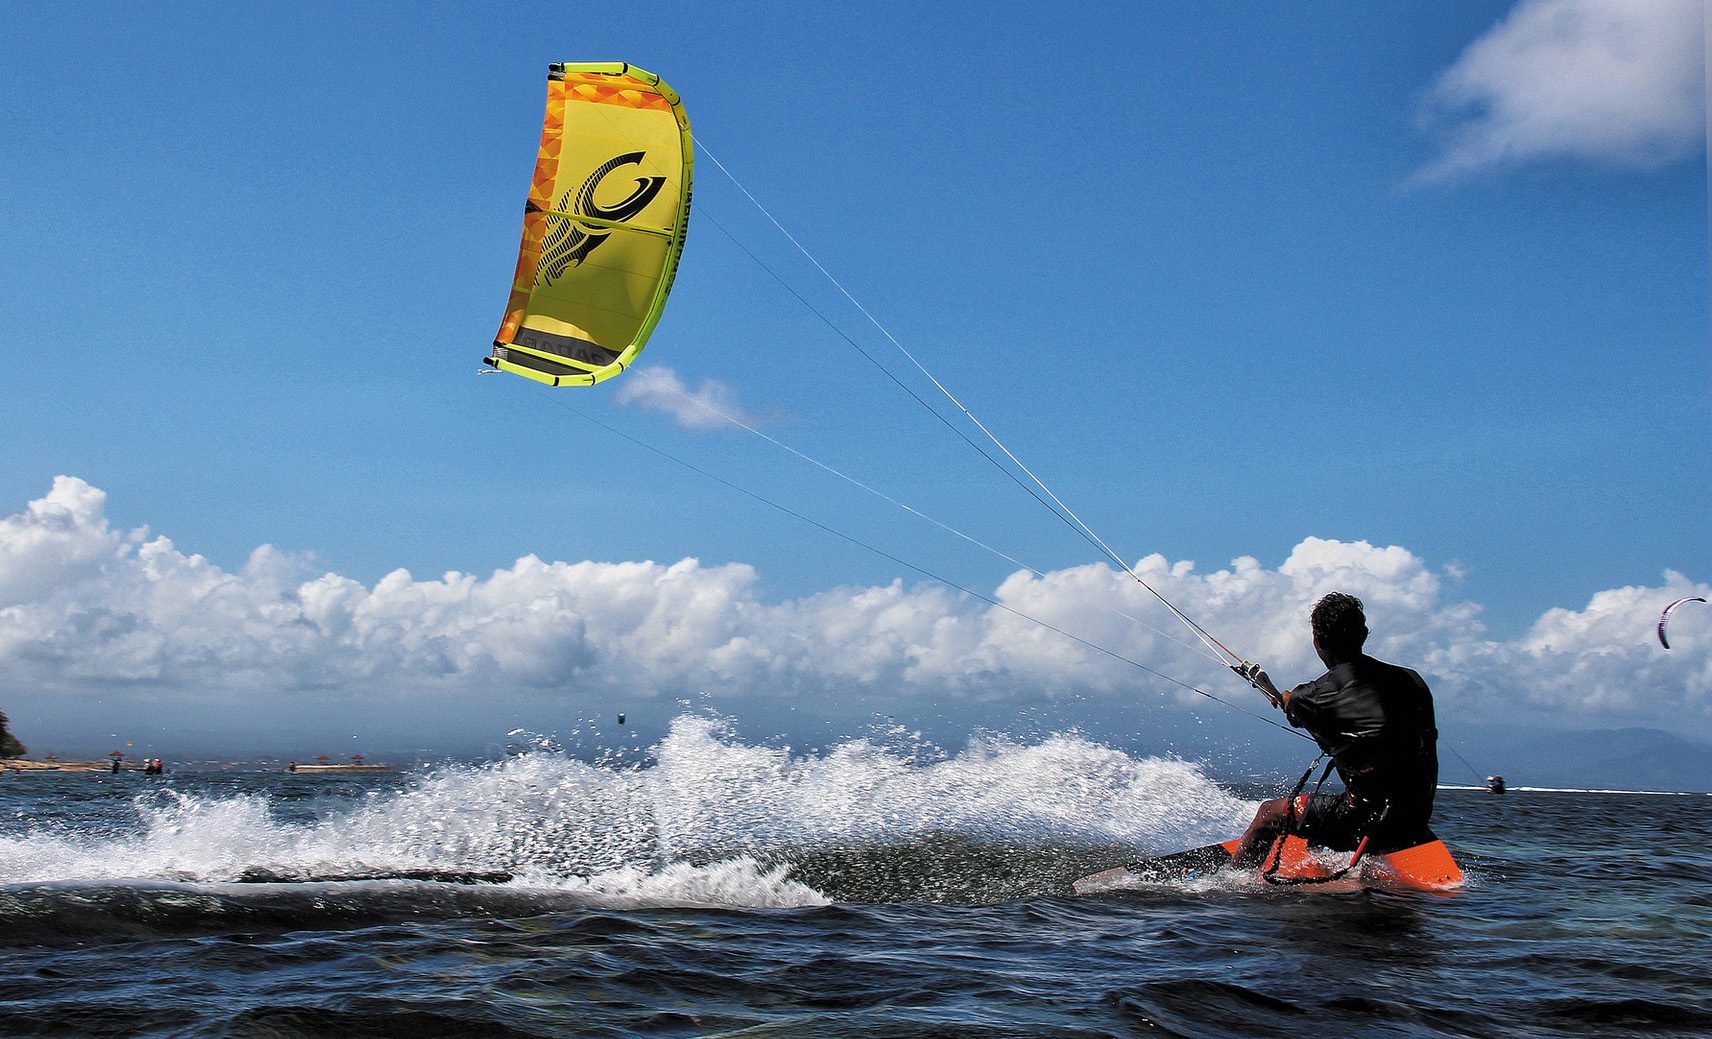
column 1615, row 81
column 711, row 405
column 89, row 611
column 54, row 539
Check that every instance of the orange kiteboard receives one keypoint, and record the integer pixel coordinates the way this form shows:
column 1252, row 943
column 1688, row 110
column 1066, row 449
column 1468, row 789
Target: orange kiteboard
column 1428, row 866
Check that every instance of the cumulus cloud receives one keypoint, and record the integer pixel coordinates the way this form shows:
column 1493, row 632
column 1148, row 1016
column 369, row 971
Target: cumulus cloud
column 87, row 610
column 711, row 405
column 1614, row 81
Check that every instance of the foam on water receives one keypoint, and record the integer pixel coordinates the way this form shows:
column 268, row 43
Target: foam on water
column 712, row 821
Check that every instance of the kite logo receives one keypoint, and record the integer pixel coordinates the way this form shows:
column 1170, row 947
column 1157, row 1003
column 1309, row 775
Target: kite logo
column 570, row 244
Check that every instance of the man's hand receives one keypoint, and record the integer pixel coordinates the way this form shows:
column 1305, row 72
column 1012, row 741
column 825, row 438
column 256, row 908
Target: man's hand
column 1257, row 677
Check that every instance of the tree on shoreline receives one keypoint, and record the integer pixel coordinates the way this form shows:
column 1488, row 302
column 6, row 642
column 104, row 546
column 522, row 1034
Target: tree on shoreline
column 9, row 745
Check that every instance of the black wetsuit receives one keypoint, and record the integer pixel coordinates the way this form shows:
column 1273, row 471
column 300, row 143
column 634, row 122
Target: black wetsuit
column 1376, row 721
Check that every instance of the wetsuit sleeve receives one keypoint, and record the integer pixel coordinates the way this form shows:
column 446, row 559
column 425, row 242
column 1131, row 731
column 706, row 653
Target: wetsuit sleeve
column 1303, row 706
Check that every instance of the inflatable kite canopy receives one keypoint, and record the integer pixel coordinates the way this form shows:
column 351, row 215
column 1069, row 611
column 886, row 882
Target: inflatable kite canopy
column 1664, row 618
column 603, row 228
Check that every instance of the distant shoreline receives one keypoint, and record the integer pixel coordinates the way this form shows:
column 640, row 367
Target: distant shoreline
column 1579, row 790
column 21, row 765
column 300, row 770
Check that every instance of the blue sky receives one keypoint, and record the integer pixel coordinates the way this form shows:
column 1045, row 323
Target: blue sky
column 1229, row 280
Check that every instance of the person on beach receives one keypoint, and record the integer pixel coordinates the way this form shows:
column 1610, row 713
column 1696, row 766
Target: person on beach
column 1376, row 722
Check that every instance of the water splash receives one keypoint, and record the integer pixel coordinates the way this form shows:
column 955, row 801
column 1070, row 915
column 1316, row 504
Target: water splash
column 712, row 820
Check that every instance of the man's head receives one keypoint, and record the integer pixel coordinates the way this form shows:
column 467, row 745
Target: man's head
column 1340, row 627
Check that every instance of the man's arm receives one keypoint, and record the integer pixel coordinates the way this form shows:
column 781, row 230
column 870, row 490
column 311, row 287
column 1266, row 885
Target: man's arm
column 1258, row 678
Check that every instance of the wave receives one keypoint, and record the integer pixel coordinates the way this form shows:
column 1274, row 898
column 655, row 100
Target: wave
column 712, row 820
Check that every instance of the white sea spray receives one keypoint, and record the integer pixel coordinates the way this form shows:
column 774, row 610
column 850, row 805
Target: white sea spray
column 713, row 820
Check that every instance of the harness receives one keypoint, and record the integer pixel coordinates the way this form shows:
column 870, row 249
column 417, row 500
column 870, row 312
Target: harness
column 1269, row 870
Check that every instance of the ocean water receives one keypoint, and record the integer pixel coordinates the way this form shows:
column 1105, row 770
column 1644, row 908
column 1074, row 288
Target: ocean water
column 876, row 888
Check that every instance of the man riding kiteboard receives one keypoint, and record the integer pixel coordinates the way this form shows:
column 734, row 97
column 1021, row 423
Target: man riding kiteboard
column 1375, row 720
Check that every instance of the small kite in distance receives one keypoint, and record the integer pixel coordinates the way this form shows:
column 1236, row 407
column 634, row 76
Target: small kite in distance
column 1664, row 617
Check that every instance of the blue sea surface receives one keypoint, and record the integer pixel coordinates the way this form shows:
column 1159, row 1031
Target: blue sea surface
column 724, row 889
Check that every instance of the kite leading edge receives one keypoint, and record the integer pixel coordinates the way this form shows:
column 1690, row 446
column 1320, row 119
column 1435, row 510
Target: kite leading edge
column 603, row 228
column 1664, row 618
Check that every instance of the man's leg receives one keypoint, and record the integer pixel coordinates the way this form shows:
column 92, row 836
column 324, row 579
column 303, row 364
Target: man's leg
column 1268, row 823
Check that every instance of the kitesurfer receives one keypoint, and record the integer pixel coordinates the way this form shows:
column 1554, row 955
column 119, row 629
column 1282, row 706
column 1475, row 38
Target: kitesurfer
column 1375, row 720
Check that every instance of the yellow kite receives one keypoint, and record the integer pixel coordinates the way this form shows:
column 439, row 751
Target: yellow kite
column 603, row 228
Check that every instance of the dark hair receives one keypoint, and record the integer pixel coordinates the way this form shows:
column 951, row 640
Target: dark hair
column 1339, row 624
